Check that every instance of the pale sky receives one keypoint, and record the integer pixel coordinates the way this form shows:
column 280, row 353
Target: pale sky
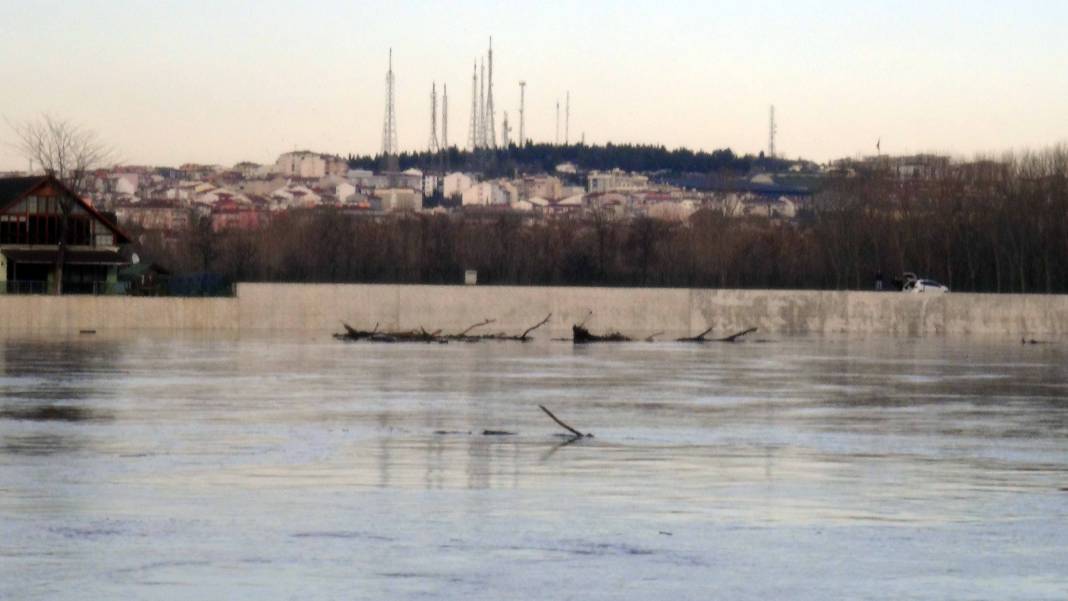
column 168, row 82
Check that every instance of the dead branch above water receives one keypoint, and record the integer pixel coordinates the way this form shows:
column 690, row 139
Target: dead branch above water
column 702, row 337
column 563, row 425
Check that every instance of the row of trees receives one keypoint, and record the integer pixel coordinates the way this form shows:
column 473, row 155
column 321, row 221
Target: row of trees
column 542, row 158
column 992, row 226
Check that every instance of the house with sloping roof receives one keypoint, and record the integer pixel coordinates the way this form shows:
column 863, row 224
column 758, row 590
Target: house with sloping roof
column 31, row 225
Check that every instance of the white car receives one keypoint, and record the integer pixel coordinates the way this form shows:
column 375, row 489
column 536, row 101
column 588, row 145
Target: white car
column 918, row 286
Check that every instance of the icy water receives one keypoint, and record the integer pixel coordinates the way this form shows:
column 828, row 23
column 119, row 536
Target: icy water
column 802, row 468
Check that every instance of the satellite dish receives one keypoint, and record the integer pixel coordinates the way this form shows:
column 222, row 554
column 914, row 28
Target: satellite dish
column 134, row 259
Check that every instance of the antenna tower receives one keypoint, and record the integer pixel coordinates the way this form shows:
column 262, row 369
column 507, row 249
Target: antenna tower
column 444, row 116
column 432, row 146
column 567, row 120
column 491, row 116
column 557, row 139
column 482, row 105
column 772, row 129
column 505, row 131
column 389, row 127
column 522, row 119
column 472, row 136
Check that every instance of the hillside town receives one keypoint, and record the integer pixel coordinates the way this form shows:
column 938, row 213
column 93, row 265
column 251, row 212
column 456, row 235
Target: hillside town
column 247, row 195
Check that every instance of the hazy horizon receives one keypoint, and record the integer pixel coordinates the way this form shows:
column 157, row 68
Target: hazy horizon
column 166, row 83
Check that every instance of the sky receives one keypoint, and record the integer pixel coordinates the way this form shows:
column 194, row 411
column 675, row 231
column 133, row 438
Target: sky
column 168, row 82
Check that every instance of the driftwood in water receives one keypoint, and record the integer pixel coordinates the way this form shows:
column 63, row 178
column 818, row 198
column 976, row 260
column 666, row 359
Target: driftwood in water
column 560, row 422
column 352, row 333
column 580, row 335
column 421, row 335
column 525, row 336
column 702, row 336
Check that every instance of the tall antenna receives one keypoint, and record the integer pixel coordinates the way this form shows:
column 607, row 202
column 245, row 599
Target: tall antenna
column 472, row 136
column 491, row 116
column 557, row 139
column 567, row 120
column 522, row 118
column 389, row 127
column 772, row 129
column 505, row 131
column 445, row 116
column 482, row 105
column 432, row 146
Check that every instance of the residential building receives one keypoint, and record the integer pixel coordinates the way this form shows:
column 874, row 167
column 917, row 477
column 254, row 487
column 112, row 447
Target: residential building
column 307, row 164
column 615, row 180
column 31, row 217
column 456, row 183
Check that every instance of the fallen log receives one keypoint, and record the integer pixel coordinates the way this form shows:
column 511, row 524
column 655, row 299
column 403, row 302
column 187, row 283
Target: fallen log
column 352, row 333
column 560, row 422
column 702, row 336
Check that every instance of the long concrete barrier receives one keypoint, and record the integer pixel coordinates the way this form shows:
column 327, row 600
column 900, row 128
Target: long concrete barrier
column 638, row 312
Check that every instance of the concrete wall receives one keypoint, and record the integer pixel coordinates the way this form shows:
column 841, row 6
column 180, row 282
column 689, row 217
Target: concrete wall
column 73, row 313
column 320, row 309
column 641, row 312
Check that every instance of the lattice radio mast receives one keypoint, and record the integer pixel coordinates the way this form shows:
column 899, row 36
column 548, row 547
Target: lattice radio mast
column 491, row 115
column 772, row 130
column 432, row 145
column 389, row 127
column 444, row 116
column 567, row 120
column 522, row 115
column 472, row 136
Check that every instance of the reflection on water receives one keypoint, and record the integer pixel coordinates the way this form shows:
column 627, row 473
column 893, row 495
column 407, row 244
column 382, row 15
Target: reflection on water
column 148, row 467
column 45, row 413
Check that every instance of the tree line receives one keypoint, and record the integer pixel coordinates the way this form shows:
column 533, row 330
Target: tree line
column 543, row 158
column 985, row 226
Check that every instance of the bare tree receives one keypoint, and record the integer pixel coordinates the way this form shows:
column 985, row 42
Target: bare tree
column 68, row 152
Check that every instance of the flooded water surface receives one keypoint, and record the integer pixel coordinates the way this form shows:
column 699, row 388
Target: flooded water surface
column 803, row 468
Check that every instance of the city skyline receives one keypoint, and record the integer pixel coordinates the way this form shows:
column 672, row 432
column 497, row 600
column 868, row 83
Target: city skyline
column 169, row 83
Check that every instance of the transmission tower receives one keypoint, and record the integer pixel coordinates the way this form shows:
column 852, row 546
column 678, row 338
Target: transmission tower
column 522, row 120
column 472, row 136
column 432, row 146
column 505, row 131
column 772, row 129
column 491, row 115
column 445, row 116
column 567, row 120
column 389, row 127
column 482, row 104
column 557, row 139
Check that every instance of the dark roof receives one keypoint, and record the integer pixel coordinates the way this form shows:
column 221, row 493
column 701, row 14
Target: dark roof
column 73, row 257
column 12, row 189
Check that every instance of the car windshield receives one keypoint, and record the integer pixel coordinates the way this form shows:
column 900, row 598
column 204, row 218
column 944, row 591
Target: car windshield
column 931, row 283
